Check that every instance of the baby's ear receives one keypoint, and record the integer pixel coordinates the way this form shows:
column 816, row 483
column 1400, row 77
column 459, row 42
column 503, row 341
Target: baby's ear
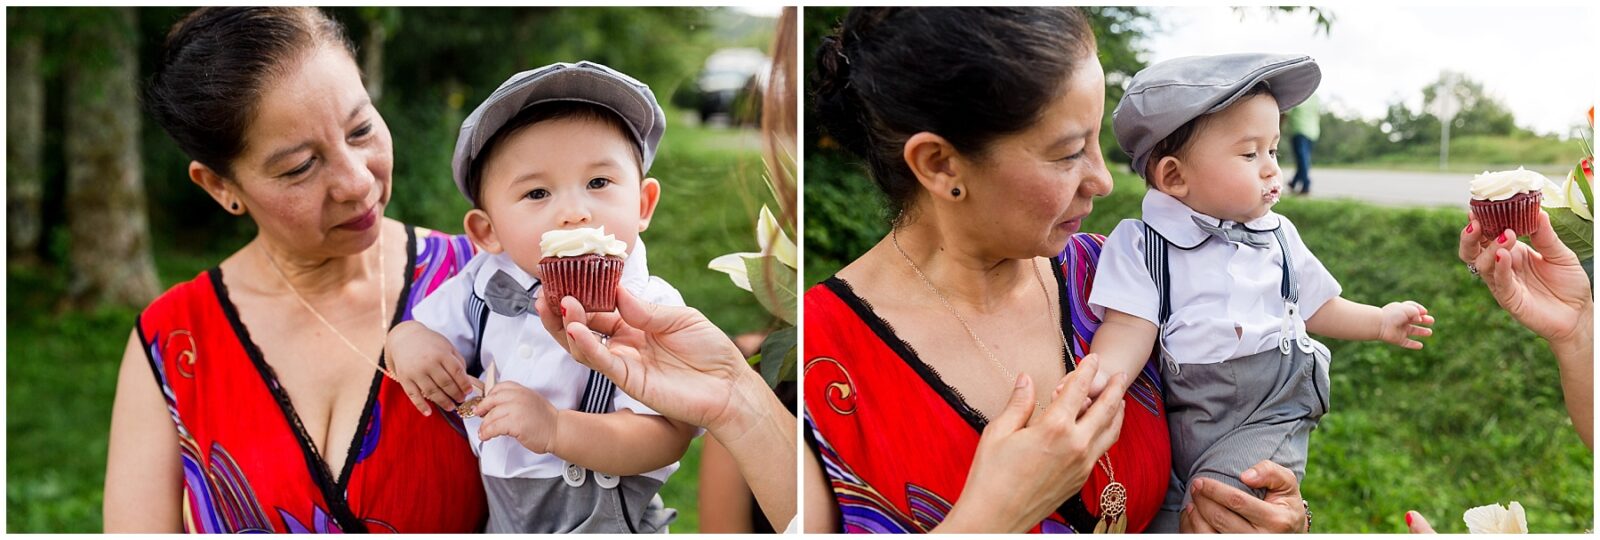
column 649, row 195
column 1167, row 176
column 481, row 230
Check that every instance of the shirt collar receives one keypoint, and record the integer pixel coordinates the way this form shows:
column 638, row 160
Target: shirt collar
column 635, row 271
column 1170, row 217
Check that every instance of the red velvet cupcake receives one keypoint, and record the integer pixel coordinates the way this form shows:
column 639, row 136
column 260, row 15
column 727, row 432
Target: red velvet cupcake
column 1507, row 200
column 585, row 264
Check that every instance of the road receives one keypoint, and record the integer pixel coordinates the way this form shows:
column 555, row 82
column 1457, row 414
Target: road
column 1389, row 188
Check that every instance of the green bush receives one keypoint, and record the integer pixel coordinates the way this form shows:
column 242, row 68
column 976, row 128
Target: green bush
column 1476, row 417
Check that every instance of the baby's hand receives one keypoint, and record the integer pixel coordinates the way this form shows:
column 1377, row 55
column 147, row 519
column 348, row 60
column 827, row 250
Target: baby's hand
column 513, row 409
column 427, row 367
column 1401, row 320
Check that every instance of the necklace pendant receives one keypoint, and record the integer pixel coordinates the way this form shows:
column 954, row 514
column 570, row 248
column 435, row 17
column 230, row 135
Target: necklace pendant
column 1113, row 509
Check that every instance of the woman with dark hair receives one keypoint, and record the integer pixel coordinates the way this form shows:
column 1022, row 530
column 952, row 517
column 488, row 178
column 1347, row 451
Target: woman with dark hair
column 922, row 357
column 256, row 398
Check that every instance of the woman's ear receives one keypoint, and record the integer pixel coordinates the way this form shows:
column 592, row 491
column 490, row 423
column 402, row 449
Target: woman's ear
column 1167, row 176
column 936, row 164
column 649, row 195
column 481, row 230
column 222, row 191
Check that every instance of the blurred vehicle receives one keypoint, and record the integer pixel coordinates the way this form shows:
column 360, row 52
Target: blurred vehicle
column 730, row 84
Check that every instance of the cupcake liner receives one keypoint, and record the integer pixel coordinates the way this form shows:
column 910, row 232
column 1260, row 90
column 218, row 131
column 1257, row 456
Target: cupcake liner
column 1519, row 213
column 592, row 279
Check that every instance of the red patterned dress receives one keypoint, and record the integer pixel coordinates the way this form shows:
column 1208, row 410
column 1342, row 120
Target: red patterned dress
column 248, row 464
column 896, row 441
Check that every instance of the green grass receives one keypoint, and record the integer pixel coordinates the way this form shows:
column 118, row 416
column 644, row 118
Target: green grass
column 1474, row 418
column 61, row 367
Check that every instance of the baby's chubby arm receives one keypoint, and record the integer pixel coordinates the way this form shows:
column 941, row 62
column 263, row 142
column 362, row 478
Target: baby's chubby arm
column 620, row 443
column 427, row 366
column 1394, row 323
column 1123, row 344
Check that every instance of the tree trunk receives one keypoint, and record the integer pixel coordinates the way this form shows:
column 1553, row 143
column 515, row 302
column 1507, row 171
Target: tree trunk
column 24, row 137
column 106, row 216
column 372, row 58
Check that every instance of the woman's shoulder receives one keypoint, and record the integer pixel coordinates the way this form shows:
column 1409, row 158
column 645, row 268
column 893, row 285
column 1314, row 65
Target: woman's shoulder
column 182, row 301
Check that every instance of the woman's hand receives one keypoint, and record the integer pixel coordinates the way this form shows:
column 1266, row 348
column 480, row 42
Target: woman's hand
column 427, row 367
column 1543, row 287
column 671, row 358
column 1220, row 508
column 1023, row 472
column 1417, row 524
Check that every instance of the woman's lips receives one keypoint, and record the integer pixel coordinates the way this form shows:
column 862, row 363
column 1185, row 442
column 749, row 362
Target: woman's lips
column 1071, row 226
column 361, row 222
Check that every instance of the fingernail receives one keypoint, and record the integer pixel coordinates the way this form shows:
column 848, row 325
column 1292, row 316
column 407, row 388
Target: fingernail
column 1408, row 518
column 1021, row 381
column 1248, row 474
column 1469, row 226
column 563, row 311
column 1503, row 238
column 1497, row 257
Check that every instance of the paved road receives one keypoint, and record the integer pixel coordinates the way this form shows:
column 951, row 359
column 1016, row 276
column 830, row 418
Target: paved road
column 1389, row 188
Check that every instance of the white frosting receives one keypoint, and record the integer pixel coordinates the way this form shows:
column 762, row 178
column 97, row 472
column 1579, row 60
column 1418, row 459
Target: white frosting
column 585, row 241
column 1502, row 185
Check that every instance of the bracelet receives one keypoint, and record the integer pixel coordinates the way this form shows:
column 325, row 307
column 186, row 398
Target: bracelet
column 1308, row 514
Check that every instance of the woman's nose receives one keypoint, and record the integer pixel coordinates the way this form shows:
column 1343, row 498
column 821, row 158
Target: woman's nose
column 353, row 180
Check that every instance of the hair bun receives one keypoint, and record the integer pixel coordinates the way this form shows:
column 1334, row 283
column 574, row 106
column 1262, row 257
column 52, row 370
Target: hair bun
column 837, row 105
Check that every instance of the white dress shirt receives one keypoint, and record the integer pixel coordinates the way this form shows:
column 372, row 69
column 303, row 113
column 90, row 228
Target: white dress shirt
column 522, row 351
column 1226, row 297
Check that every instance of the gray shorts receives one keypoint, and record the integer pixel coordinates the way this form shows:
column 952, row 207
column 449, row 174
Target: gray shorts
column 1228, row 416
column 549, row 505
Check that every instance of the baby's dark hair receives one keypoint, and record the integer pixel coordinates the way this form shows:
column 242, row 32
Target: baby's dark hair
column 970, row 75
column 216, row 64
column 1175, row 143
column 546, row 112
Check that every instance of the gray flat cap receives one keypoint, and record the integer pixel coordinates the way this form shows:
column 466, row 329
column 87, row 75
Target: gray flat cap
column 1163, row 97
column 584, row 81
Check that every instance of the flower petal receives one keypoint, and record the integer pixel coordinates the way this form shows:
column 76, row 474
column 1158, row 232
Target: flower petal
column 733, row 265
column 774, row 241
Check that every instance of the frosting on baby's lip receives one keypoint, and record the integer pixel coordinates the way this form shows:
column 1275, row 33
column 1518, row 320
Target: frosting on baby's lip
column 1502, row 185
column 583, row 241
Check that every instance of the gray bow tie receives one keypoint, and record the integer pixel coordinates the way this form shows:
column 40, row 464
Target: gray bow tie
column 507, row 297
column 1236, row 233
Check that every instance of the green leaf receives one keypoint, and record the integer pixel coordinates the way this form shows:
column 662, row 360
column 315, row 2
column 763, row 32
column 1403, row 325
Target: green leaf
column 1583, row 185
column 778, row 345
column 754, row 360
column 1574, row 231
column 774, row 286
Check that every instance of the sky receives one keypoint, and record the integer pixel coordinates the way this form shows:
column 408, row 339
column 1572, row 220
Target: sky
column 1536, row 60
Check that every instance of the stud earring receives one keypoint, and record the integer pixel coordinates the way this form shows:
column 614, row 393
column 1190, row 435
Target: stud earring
column 234, row 206
column 955, row 192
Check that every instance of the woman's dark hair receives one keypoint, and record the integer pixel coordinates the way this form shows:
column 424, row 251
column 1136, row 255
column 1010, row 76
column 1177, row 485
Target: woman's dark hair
column 970, row 75
column 1174, row 143
column 214, row 66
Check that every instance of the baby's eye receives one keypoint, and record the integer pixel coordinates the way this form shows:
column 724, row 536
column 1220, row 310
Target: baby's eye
column 1251, row 155
column 1273, row 152
column 597, row 183
column 538, row 193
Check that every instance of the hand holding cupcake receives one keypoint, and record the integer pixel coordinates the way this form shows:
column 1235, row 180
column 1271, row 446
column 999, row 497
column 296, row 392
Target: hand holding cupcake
column 1507, row 200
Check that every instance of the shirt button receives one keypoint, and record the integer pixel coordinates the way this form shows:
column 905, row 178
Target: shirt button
column 525, row 351
column 573, row 475
column 606, row 481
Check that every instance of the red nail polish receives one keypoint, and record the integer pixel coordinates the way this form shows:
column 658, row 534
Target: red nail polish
column 563, row 311
column 1502, row 238
column 1497, row 257
column 1408, row 519
column 1469, row 227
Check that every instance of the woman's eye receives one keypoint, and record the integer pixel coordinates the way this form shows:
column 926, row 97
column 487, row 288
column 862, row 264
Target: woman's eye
column 297, row 171
column 597, row 183
column 361, row 131
column 1073, row 157
column 537, row 194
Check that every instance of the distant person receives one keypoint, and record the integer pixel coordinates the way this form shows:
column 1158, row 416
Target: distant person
column 1305, row 122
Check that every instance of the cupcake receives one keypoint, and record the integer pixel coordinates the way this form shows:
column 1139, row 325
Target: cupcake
column 1507, row 200
column 585, row 264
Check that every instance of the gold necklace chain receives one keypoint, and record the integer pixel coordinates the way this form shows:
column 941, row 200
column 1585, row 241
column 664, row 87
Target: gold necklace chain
column 383, row 301
column 1114, row 497
column 1010, row 377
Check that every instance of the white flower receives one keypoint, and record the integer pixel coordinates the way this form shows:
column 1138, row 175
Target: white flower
column 773, row 242
column 1496, row 519
column 1566, row 195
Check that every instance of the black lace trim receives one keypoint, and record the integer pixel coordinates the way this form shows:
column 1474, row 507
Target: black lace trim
column 1073, row 509
column 332, row 490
